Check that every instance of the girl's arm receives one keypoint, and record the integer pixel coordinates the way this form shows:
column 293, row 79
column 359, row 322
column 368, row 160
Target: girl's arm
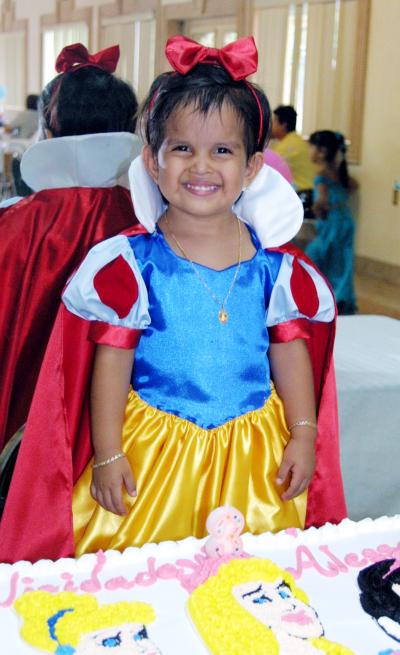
column 321, row 205
column 109, row 392
column 293, row 379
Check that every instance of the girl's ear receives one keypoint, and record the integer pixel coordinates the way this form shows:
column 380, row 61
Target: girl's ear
column 254, row 166
column 150, row 163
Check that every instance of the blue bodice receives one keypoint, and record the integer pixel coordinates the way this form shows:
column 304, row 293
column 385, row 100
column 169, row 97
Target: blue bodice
column 188, row 363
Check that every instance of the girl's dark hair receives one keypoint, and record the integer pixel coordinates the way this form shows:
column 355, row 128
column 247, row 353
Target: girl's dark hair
column 377, row 596
column 206, row 87
column 331, row 143
column 87, row 101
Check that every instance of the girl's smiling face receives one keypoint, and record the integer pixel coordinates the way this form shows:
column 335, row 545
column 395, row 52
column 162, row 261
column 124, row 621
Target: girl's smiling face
column 128, row 639
column 274, row 605
column 201, row 167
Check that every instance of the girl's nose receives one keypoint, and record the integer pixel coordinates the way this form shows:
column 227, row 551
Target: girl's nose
column 200, row 164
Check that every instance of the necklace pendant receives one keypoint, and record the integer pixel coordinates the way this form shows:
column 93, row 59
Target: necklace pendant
column 222, row 316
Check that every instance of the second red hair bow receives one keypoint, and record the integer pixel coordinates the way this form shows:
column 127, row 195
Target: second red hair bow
column 239, row 58
column 76, row 56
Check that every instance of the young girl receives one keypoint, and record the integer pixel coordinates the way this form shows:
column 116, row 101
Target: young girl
column 332, row 249
column 183, row 317
column 85, row 111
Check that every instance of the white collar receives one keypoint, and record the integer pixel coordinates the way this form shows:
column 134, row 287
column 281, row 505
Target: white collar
column 269, row 205
column 88, row 160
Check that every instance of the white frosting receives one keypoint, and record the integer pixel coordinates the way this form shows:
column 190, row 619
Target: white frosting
column 324, row 562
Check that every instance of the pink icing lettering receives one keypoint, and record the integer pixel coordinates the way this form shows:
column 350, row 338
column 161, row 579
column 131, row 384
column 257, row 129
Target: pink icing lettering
column 69, row 584
column 94, row 584
column 352, row 559
column 149, row 577
column 119, row 583
column 12, row 591
column 372, row 555
column 340, row 566
column 27, row 580
column 386, row 551
column 166, row 572
column 306, row 560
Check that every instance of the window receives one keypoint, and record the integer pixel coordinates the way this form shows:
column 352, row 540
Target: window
column 55, row 39
column 312, row 56
column 12, row 69
column 136, row 38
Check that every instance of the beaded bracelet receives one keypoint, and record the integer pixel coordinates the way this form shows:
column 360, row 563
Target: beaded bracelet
column 303, row 421
column 109, row 460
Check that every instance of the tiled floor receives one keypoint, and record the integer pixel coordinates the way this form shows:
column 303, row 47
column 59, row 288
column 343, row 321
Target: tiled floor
column 376, row 296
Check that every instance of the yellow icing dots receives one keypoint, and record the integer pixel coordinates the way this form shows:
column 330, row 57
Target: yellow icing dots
column 226, row 627
column 38, row 607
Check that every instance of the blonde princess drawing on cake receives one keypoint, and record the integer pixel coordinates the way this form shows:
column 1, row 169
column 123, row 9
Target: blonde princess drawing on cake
column 253, row 607
column 191, row 319
column 70, row 624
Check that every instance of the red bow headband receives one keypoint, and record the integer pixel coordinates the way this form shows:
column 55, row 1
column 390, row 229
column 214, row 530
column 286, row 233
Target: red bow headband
column 239, row 59
column 76, row 56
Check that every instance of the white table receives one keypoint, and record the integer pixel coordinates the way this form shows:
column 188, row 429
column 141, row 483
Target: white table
column 367, row 362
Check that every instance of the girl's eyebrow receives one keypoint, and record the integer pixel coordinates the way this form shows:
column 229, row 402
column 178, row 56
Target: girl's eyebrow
column 250, row 593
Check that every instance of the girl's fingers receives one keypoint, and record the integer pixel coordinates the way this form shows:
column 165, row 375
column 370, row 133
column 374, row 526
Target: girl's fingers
column 117, row 504
column 294, row 486
column 130, row 484
column 283, row 472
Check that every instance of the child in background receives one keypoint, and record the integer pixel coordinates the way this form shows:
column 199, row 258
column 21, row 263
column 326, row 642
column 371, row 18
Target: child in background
column 332, row 248
column 191, row 322
column 85, row 112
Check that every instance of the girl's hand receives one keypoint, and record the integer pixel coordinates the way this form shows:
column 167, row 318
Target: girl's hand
column 108, row 483
column 297, row 466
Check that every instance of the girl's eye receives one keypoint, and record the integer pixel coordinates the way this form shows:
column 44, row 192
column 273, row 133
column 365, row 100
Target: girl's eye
column 262, row 599
column 142, row 634
column 284, row 594
column 180, row 148
column 223, row 150
column 112, row 642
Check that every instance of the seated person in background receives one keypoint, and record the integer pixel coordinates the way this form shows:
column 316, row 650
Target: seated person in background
column 25, row 124
column 332, row 248
column 294, row 149
column 87, row 117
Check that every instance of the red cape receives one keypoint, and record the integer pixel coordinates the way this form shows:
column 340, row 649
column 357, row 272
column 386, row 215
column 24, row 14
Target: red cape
column 37, row 521
column 43, row 238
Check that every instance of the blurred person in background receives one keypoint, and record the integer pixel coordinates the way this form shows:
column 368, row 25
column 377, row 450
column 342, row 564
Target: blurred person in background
column 87, row 120
column 332, row 248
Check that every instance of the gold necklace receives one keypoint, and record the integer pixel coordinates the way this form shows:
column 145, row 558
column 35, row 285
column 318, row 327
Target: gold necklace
column 222, row 314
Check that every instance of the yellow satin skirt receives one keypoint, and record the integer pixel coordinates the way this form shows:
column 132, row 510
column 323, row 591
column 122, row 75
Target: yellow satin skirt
column 183, row 472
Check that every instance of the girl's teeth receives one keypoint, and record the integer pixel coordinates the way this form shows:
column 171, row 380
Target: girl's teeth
column 201, row 187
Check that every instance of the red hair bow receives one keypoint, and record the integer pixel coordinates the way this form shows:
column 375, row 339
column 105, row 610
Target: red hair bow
column 239, row 58
column 76, row 56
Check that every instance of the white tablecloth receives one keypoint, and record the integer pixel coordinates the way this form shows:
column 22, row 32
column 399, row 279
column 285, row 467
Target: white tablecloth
column 367, row 362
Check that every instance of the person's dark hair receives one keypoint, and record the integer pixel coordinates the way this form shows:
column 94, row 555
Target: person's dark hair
column 287, row 115
column 331, row 143
column 206, row 87
column 32, row 101
column 87, row 101
column 377, row 596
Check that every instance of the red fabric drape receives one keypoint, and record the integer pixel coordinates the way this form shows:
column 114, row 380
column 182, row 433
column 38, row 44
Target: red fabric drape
column 42, row 240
